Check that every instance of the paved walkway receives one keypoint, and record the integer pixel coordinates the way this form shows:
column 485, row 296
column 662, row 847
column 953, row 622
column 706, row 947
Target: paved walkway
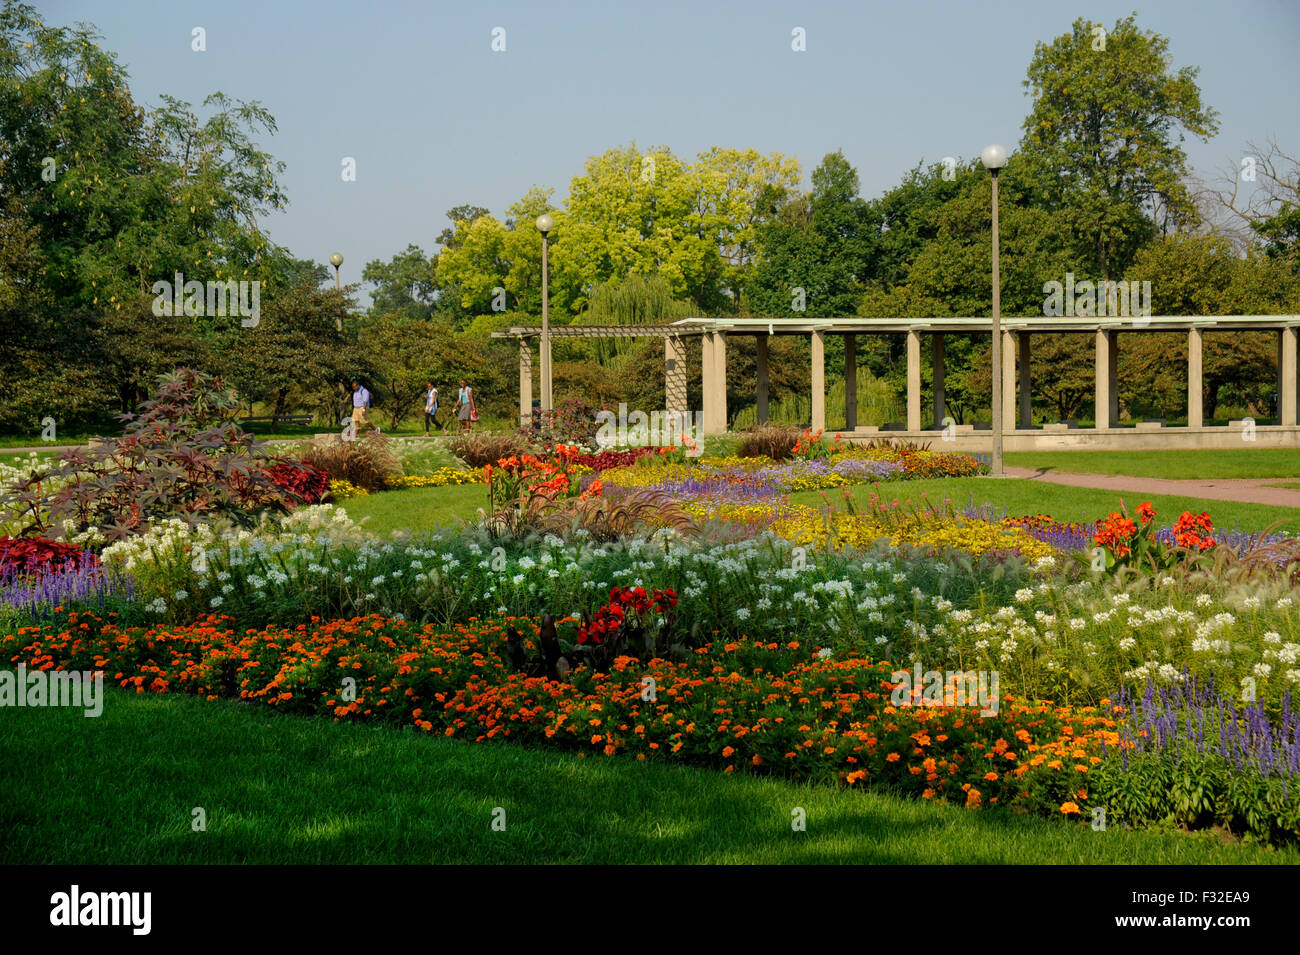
column 1245, row 490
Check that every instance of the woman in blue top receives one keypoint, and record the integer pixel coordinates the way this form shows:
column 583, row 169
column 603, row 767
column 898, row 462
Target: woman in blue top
column 465, row 410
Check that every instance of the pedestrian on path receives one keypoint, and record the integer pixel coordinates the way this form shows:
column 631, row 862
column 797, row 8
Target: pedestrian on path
column 431, row 408
column 360, row 403
column 466, row 410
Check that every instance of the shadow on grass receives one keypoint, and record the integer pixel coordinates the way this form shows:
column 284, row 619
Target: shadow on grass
column 282, row 789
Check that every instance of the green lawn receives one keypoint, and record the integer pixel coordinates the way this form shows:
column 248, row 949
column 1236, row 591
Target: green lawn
column 1241, row 462
column 121, row 789
column 1021, row 496
column 424, row 509
column 418, row 509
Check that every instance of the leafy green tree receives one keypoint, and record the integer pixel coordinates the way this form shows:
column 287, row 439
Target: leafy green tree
column 113, row 199
column 1204, row 275
column 295, row 353
column 817, row 250
column 1102, row 140
column 403, row 285
column 406, row 353
column 450, row 237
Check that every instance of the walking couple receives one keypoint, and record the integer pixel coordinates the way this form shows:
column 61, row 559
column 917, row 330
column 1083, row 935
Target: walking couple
column 465, row 409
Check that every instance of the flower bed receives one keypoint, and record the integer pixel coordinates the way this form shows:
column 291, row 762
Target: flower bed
column 781, row 708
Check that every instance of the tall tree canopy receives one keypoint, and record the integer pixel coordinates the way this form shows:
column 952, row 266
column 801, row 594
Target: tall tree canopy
column 1102, row 140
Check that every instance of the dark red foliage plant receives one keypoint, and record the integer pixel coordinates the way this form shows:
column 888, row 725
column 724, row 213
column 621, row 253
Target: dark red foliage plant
column 182, row 456
column 300, row 480
column 27, row 555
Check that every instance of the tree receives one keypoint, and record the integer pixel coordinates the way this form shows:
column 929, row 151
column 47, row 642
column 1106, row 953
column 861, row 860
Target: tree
column 817, row 250
column 404, row 285
column 735, row 189
column 406, row 353
column 1101, row 142
column 636, row 300
column 449, row 238
column 296, row 353
column 1204, row 275
column 112, row 199
column 1257, row 203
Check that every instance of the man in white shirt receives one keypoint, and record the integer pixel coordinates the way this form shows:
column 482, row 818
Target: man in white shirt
column 360, row 402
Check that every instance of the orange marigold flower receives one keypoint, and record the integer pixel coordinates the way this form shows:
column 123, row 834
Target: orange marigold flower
column 893, row 758
column 1069, row 807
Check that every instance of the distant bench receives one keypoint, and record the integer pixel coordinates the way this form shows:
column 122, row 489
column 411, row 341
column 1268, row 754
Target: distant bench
column 298, row 419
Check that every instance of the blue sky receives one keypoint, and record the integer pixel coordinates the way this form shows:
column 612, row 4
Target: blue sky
column 434, row 118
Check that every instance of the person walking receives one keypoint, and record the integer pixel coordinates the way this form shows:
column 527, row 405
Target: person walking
column 360, row 402
column 466, row 411
column 431, row 409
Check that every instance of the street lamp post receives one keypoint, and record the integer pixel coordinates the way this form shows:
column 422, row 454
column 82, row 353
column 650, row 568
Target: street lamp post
column 544, row 225
column 995, row 158
column 336, row 260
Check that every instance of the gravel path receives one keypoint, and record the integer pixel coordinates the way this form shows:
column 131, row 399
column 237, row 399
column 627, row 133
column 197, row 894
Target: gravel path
column 1251, row 490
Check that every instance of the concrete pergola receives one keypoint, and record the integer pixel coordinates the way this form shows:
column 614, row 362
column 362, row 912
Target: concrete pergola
column 1016, row 352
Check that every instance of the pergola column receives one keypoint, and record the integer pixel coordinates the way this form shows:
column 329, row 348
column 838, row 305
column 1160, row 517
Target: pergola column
column 720, row 358
column 1195, row 380
column 913, row 380
column 1008, row 380
column 1026, row 395
column 936, row 365
column 1286, row 400
column 818, row 381
column 675, row 375
column 525, row 383
column 708, row 384
column 850, row 382
column 760, row 409
column 1107, row 394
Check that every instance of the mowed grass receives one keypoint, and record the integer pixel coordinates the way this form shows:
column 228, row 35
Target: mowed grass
column 418, row 509
column 122, row 789
column 1244, row 462
column 1019, row 496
